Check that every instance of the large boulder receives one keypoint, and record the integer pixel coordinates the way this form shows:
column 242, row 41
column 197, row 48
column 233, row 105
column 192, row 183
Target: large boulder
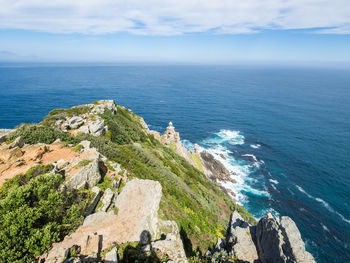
column 97, row 127
column 279, row 241
column 239, row 239
column 75, row 122
column 87, row 176
column 138, row 204
column 171, row 247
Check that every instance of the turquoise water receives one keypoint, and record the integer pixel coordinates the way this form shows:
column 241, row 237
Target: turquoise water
column 284, row 132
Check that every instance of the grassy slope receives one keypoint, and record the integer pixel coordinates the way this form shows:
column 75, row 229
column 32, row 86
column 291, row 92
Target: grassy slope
column 199, row 207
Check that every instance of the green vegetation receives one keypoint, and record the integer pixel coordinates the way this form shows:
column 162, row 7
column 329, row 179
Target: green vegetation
column 34, row 214
column 61, row 114
column 83, row 163
column 199, row 207
column 33, row 134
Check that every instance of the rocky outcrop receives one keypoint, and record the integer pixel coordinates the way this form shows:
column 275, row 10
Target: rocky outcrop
column 97, row 195
column 239, row 239
column 273, row 240
column 87, row 176
column 3, row 134
column 171, row 246
column 106, row 200
column 18, row 142
column 213, row 168
column 136, row 219
column 279, row 241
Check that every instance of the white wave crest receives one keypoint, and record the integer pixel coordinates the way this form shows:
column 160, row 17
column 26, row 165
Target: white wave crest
column 273, row 181
column 255, row 146
column 230, row 136
column 324, row 203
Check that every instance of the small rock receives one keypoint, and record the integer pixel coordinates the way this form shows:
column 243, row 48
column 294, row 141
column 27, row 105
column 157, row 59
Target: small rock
column 61, row 164
column 57, row 255
column 85, row 144
column 112, row 256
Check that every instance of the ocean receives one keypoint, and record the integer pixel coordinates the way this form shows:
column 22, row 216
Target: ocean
column 283, row 132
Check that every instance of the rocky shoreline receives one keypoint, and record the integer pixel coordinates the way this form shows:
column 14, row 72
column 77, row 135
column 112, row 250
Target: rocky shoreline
column 125, row 218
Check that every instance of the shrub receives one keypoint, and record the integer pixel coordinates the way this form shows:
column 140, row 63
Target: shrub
column 33, row 215
column 33, row 134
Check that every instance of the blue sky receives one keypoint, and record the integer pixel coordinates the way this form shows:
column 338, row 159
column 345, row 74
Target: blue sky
column 191, row 31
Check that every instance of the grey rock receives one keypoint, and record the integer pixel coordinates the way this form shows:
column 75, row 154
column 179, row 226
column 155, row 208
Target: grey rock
column 3, row 134
column 85, row 144
column 112, row 256
column 172, row 246
column 106, row 200
column 279, row 241
column 94, row 218
column 97, row 196
column 97, row 127
column 75, row 122
column 61, row 164
column 239, row 239
column 84, row 129
column 57, row 255
column 87, row 176
column 18, row 142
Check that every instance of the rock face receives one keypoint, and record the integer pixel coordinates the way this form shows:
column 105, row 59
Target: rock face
column 87, row 176
column 136, row 220
column 75, row 122
column 97, row 195
column 213, row 168
column 273, row 240
column 279, row 241
column 172, row 245
column 106, row 200
column 239, row 239
column 140, row 198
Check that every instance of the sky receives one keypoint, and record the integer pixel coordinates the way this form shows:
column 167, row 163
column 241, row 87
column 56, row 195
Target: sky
column 175, row 31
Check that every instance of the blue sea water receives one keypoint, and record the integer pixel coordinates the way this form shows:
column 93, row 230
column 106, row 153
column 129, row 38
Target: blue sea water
column 283, row 131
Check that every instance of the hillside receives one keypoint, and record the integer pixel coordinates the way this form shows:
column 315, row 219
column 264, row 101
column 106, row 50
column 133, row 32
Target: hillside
column 92, row 183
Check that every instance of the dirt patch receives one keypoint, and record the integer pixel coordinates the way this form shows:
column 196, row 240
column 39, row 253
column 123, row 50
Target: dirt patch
column 19, row 160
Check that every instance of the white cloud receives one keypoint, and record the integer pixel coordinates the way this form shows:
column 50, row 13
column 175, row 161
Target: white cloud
column 172, row 17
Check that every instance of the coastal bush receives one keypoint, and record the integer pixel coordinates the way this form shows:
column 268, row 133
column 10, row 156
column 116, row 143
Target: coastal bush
column 33, row 134
column 123, row 127
column 34, row 214
column 60, row 114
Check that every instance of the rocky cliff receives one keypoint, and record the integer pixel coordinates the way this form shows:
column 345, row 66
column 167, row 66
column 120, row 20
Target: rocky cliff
column 94, row 184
